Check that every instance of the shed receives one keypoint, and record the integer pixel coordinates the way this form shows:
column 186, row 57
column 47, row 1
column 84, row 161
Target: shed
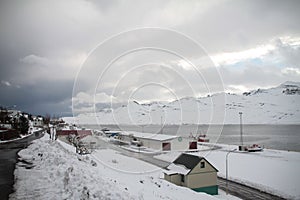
column 194, row 172
column 158, row 141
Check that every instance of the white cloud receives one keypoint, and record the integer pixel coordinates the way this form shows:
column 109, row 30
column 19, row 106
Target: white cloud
column 36, row 60
column 90, row 99
column 289, row 40
column 239, row 56
column 291, row 71
column 74, row 60
column 177, row 12
column 6, row 83
column 185, row 65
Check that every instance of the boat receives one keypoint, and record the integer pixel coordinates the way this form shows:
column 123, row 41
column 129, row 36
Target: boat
column 202, row 138
column 199, row 137
column 104, row 129
column 136, row 142
column 242, row 147
column 254, row 148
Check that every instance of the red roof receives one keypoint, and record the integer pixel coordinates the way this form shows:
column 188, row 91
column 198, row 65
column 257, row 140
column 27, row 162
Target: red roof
column 80, row 133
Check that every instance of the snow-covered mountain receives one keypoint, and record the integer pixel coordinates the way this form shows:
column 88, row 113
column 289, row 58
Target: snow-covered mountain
column 279, row 105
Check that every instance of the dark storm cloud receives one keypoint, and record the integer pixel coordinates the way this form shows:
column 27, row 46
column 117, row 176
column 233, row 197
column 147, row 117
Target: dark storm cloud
column 42, row 97
column 43, row 43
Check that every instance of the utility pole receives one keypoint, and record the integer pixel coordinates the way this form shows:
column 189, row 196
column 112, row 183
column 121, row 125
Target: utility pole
column 241, row 127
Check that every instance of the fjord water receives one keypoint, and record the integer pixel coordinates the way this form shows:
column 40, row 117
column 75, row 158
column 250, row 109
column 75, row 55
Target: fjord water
column 281, row 137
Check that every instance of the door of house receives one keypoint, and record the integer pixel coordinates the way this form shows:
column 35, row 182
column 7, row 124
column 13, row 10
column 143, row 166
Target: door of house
column 166, row 146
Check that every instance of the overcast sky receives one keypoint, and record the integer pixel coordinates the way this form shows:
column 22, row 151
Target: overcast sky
column 101, row 51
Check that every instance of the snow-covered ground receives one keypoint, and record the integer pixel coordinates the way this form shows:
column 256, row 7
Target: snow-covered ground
column 279, row 105
column 273, row 171
column 57, row 172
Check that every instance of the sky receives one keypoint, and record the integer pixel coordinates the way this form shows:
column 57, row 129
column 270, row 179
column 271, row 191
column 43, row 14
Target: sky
column 60, row 56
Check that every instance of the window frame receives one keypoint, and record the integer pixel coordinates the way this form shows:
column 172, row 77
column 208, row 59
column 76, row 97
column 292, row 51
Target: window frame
column 202, row 164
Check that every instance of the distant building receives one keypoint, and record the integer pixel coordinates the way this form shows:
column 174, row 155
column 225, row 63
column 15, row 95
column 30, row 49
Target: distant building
column 158, row 141
column 92, row 142
column 193, row 172
column 38, row 121
column 78, row 133
column 111, row 133
column 14, row 113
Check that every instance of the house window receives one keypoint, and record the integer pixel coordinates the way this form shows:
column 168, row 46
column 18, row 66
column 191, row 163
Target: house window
column 202, row 165
column 182, row 178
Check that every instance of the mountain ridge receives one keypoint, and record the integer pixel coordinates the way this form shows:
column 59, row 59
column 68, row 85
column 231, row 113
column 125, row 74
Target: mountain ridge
column 277, row 105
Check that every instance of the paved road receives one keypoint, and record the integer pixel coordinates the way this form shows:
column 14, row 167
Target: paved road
column 245, row 192
column 8, row 159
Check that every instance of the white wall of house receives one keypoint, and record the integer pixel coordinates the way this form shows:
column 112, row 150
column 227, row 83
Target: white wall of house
column 174, row 178
column 180, row 144
column 38, row 121
column 177, row 143
column 153, row 144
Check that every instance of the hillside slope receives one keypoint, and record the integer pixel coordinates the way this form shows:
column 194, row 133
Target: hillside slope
column 279, row 105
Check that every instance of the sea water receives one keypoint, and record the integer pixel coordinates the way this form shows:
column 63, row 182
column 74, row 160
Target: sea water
column 281, row 137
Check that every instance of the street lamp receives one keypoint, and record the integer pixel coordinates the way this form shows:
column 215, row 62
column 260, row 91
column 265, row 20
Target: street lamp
column 241, row 127
column 227, row 169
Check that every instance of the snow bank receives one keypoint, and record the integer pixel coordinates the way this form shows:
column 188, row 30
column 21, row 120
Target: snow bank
column 58, row 174
column 276, row 172
column 53, row 171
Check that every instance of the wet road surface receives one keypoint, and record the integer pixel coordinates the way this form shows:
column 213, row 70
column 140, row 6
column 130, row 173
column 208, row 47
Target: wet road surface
column 8, row 160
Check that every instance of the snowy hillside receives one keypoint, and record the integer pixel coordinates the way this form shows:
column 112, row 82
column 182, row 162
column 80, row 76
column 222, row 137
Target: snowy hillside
column 279, row 105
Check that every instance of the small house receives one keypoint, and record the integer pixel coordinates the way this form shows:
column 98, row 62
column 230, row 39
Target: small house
column 194, row 172
column 38, row 121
